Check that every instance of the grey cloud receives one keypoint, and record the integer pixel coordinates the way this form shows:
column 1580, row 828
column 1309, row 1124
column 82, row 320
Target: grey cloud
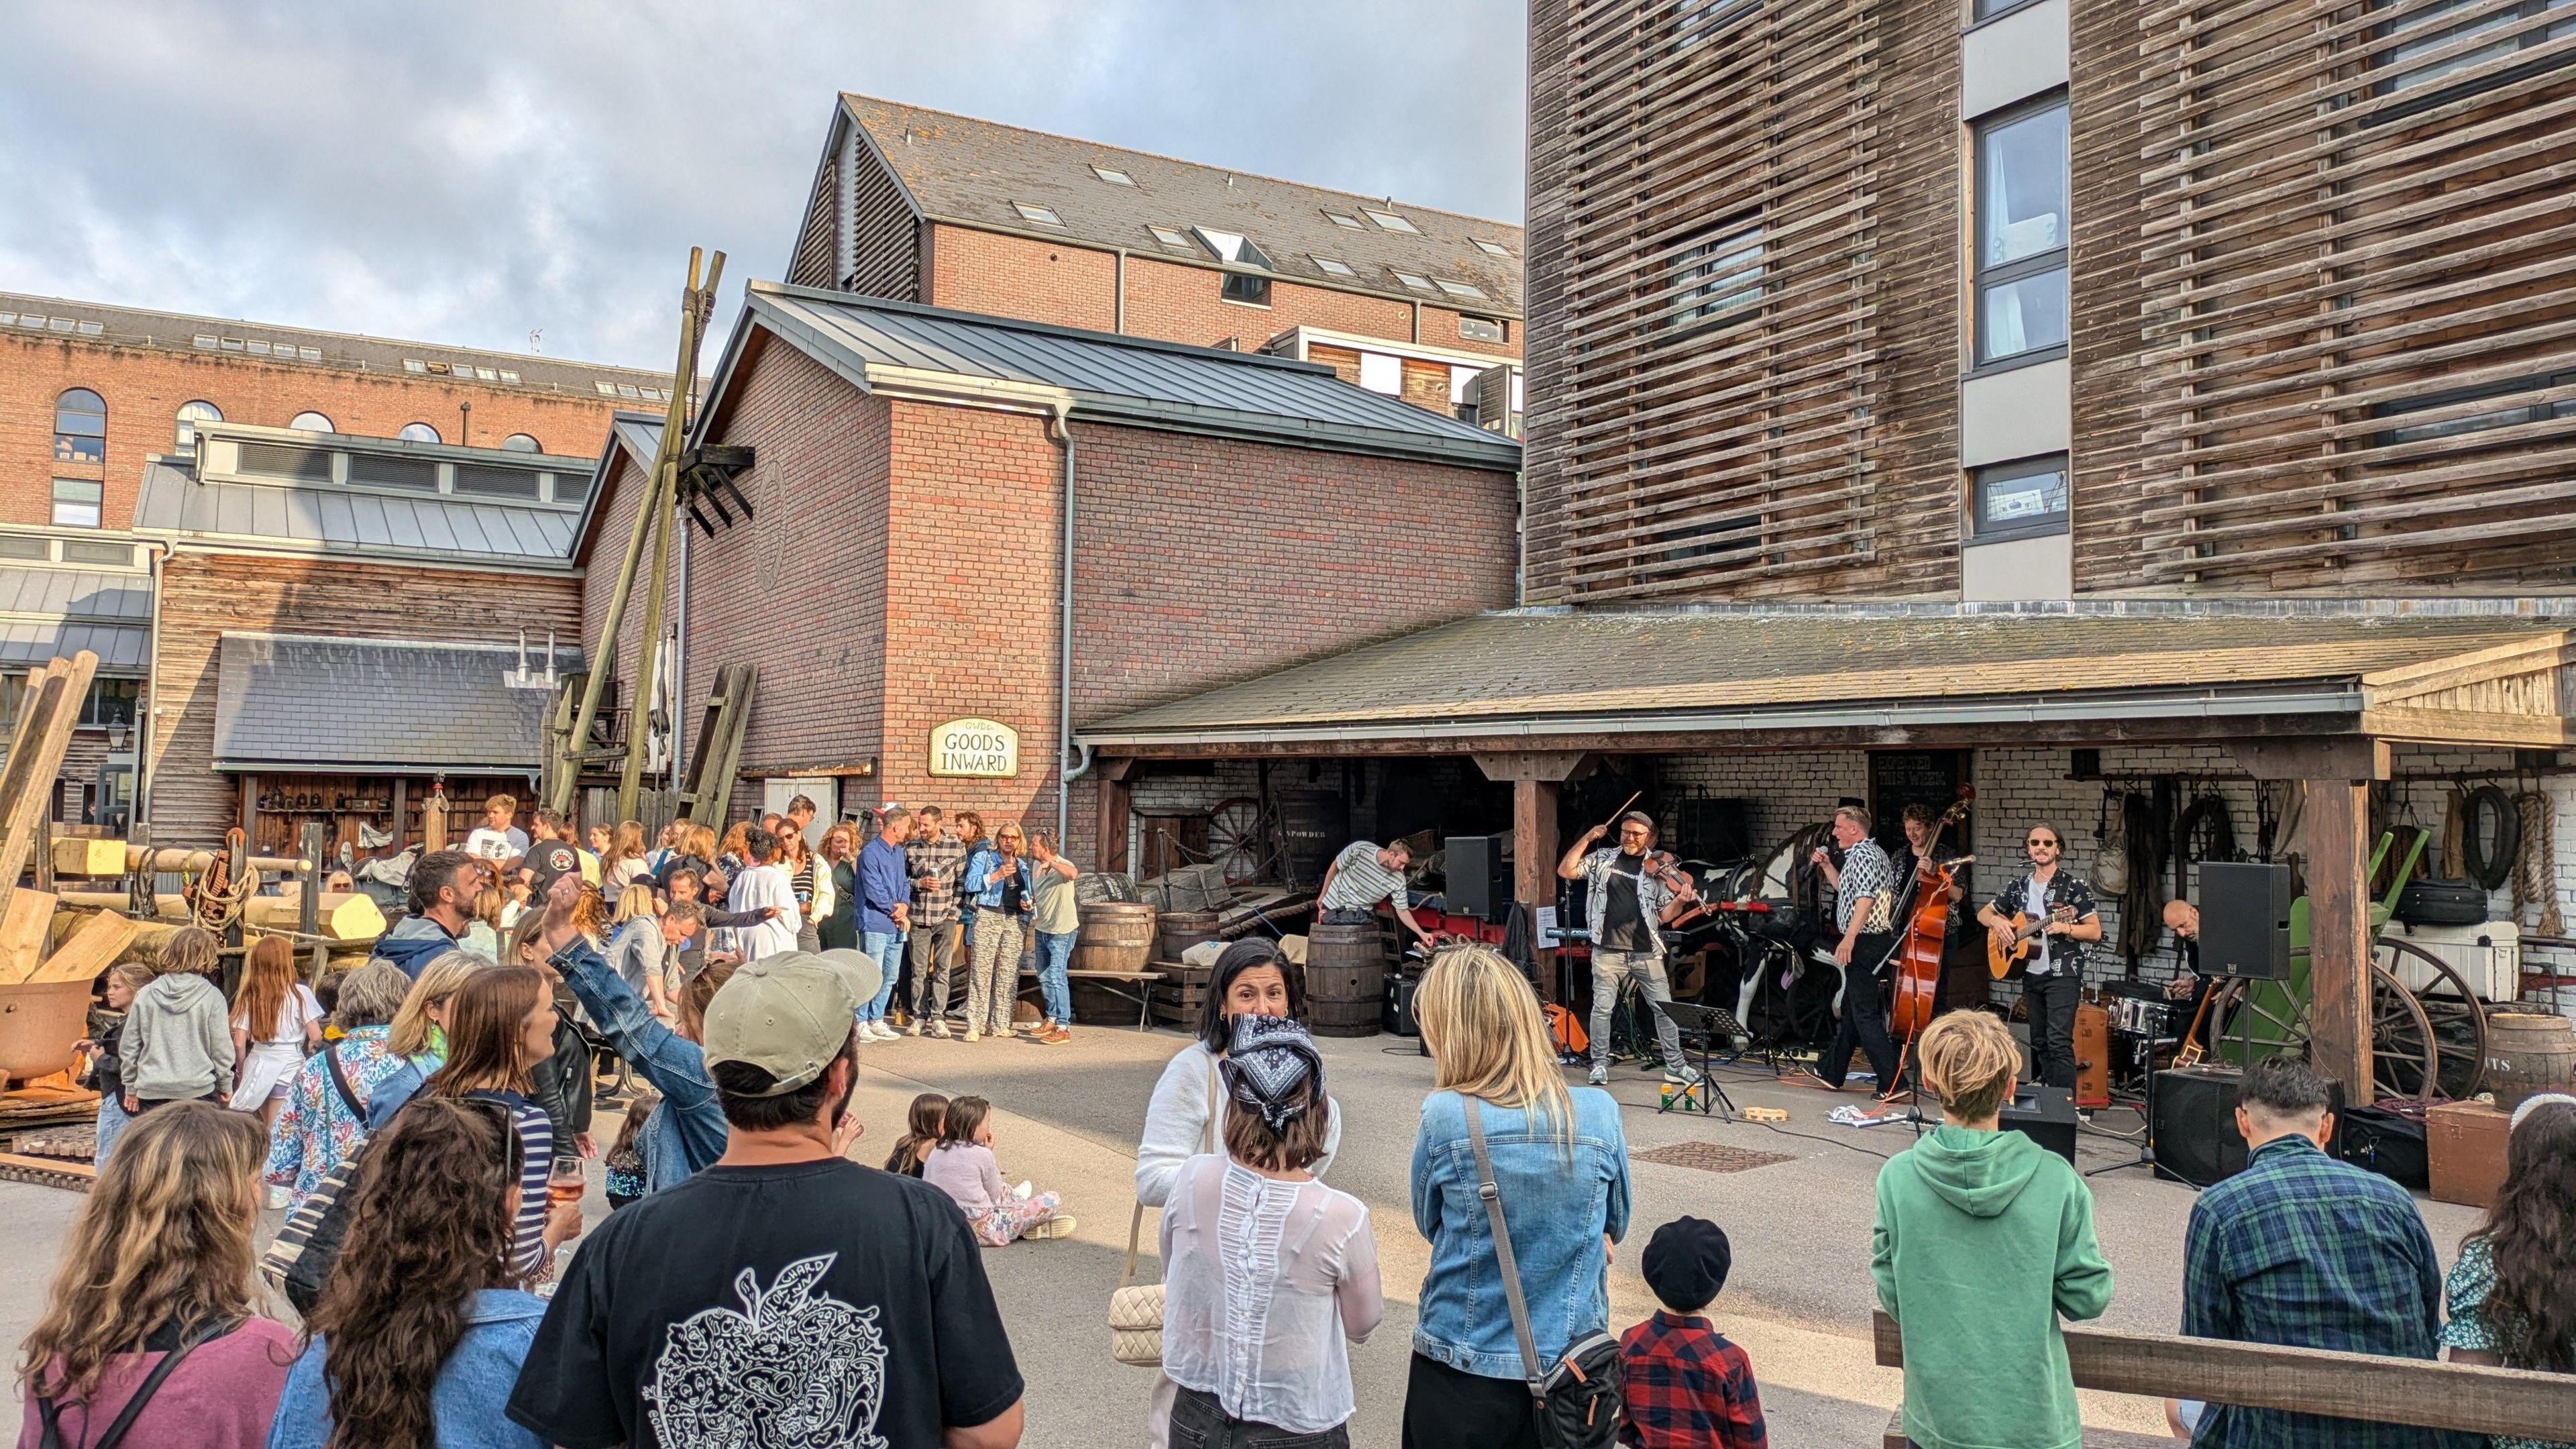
column 465, row 173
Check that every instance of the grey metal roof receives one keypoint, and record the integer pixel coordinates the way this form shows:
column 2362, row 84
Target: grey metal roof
column 358, row 706
column 46, row 612
column 640, row 434
column 174, row 503
column 961, row 169
column 179, row 331
column 1540, row 672
column 1113, row 378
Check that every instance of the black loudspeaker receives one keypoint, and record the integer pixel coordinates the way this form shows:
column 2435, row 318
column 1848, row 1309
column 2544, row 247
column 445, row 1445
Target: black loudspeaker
column 2245, row 920
column 1716, row 830
column 1397, row 1019
column 2193, row 1130
column 1478, row 885
column 2045, row 1115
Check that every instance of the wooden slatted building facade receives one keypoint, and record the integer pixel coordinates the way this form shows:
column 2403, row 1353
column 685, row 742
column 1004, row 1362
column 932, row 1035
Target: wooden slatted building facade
column 2312, row 330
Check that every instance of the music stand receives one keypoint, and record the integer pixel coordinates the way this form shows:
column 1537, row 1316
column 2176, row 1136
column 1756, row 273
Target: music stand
column 1706, row 1023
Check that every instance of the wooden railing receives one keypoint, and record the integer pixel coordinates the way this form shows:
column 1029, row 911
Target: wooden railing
column 2437, row 1395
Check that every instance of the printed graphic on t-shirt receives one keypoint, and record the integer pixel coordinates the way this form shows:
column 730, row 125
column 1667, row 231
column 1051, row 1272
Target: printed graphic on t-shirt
column 795, row 1367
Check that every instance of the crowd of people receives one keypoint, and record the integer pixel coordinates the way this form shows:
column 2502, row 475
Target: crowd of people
column 753, row 1276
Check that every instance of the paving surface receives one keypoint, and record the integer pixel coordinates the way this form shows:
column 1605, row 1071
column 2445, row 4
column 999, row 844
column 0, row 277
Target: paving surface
column 1799, row 1299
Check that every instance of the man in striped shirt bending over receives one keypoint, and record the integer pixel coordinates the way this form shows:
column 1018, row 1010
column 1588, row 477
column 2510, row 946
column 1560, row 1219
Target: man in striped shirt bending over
column 1364, row 874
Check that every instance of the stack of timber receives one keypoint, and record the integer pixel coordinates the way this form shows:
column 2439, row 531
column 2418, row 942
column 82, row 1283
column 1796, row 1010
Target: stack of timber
column 1177, row 998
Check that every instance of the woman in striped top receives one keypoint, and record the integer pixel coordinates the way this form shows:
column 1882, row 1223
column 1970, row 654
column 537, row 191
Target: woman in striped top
column 500, row 1024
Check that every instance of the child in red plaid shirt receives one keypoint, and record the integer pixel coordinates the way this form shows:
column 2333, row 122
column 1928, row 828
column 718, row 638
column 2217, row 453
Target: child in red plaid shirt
column 1686, row 1386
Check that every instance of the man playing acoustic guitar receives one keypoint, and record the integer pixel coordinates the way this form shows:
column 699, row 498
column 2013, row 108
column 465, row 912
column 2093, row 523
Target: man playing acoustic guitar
column 2050, row 914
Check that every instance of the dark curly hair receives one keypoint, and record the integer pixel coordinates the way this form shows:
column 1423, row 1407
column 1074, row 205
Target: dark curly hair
column 2531, row 1233
column 431, row 1225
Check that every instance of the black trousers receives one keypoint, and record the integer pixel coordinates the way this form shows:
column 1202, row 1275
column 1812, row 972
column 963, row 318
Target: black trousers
column 1199, row 1422
column 1864, row 1023
column 1447, row 1408
column 2052, row 1000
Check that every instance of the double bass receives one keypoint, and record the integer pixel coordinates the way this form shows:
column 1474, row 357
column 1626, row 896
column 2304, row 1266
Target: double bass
column 1918, row 956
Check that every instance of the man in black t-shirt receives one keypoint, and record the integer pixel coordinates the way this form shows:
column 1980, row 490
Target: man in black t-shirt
column 785, row 1285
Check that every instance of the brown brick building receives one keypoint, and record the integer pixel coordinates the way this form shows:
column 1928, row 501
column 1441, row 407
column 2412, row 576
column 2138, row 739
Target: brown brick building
column 1230, row 513
column 925, row 206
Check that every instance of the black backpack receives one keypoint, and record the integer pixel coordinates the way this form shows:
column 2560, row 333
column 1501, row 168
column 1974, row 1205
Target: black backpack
column 1576, row 1402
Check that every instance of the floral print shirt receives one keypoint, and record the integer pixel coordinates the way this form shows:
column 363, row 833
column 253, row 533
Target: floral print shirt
column 316, row 1130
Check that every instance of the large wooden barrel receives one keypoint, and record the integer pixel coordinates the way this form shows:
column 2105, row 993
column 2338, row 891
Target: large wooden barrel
column 2528, row 1052
column 1345, row 979
column 1183, row 929
column 1114, row 936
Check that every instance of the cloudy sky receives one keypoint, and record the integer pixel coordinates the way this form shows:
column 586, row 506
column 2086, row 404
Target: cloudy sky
column 472, row 172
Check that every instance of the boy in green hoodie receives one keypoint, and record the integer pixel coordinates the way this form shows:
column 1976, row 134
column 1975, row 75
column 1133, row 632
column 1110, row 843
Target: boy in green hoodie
column 1983, row 1239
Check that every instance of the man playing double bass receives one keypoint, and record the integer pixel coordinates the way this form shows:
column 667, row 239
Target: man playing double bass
column 2054, row 980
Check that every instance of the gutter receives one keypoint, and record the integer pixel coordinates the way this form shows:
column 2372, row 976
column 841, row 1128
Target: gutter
column 2206, row 706
column 145, row 756
column 1068, row 770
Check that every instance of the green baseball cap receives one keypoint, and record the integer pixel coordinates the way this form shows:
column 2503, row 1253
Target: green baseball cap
column 789, row 1014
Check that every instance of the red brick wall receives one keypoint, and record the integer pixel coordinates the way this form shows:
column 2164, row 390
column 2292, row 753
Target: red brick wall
column 144, row 387
column 915, row 579
column 1074, row 286
column 203, row 595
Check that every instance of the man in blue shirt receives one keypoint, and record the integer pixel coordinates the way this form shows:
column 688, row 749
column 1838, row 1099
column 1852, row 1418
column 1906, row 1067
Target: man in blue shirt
column 2304, row 1251
column 885, row 911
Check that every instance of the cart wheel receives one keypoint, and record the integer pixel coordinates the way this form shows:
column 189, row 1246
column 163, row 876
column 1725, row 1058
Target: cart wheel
column 2458, row 1018
column 1234, row 839
column 2406, row 1053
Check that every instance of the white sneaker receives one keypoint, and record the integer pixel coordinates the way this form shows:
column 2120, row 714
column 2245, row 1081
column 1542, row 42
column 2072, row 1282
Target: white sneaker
column 913, row 1027
column 973, row 1035
column 938, row 1030
column 1054, row 1227
column 1025, row 1189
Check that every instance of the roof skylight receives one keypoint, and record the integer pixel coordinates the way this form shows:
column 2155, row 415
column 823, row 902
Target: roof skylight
column 1169, row 237
column 1112, row 175
column 1043, row 216
column 1339, row 219
column 1462, row 289
column 1233, row 247
column 1389, row 221
column 1334, row 268
column 1491, row 248
column 1414, row 280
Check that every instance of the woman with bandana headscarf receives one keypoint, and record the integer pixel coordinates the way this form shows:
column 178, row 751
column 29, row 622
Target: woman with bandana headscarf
column 1268, row 1273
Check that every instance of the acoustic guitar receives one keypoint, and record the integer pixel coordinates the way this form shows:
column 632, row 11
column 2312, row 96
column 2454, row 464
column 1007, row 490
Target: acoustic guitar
column 2007, row 961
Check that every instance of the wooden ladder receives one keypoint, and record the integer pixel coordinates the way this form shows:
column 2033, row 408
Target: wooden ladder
column 707, row 791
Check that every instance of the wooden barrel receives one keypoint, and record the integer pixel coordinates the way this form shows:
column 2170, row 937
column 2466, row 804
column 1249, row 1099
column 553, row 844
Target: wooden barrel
column 1114, row 936
column 1183, row 929
column 2528, row 1052
column 1345, row 979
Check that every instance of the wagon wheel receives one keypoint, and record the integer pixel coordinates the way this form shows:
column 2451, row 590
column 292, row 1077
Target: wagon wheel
column 1234, row 839
column 2459, row 1019
column 2405, row 1052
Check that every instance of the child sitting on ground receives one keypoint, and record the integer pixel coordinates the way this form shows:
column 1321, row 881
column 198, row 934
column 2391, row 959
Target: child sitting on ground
column 1983, row 1240
column 920, row 1134
column 962, row 1166
column 1686, row 1386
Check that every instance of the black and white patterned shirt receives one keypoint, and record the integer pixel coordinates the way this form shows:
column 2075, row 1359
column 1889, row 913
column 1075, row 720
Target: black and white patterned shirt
column 1868, row 882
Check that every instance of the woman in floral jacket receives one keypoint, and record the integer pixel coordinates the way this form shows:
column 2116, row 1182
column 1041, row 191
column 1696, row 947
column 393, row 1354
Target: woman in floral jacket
column 321, row 1125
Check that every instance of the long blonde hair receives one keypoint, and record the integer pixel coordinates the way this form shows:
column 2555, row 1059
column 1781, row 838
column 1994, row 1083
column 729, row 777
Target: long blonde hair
column 1481, row 1022
column 435, row 987
column 165, row 1237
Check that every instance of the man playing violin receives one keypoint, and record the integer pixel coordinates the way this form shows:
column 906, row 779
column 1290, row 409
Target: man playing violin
column 2054, row 980
column 1865, row 889
column 1632, row 891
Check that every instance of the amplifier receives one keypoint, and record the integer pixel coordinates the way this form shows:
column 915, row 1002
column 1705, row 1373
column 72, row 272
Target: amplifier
column 1397, row 1019
column 2192, row 1130
column 1477, row 883
column 2245, row 920
column 2045, row 1115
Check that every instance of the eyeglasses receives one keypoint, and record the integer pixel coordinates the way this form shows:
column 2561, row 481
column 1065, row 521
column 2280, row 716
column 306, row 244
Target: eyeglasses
column 2041, row 840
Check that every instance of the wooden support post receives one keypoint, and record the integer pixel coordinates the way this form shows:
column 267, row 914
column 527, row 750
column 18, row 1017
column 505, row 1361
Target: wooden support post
column 1536, row 777
column 1117, row 801
column 402, row 813
column 2337, row 822
column 308, row 915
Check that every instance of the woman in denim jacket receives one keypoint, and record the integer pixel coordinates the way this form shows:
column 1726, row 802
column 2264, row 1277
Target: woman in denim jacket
column 998, row 892
column 1561, row 1166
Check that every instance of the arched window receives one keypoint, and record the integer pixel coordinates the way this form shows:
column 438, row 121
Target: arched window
column 520, row 443
column 313, row 423
column 80, row 427
column 418, row 433
column 191, row 414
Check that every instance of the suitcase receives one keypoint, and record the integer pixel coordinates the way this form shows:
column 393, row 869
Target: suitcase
column 2384, row 1142
column 2441, row 903
column 2464, row 1151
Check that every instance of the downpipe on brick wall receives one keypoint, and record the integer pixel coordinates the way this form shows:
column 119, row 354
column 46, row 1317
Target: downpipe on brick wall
column 1072, row 761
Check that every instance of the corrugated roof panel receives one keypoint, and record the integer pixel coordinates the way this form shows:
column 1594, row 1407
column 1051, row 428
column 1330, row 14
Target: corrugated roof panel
column 349, row 704
column 333, row 518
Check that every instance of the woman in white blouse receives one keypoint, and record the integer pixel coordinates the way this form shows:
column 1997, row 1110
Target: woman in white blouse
column 1250, row 979
column 1267, row 1272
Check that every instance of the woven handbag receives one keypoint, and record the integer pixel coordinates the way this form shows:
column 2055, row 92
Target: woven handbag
column 1136, row 1309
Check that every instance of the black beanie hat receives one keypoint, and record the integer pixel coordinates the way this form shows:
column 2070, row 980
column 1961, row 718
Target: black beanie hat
column 1686, row 1263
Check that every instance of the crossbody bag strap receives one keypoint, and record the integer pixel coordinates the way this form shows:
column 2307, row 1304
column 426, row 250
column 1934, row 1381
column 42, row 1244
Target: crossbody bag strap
column 1493, row 1199
column 143, row 1392
column 340, row 1083
column 1135, row 1231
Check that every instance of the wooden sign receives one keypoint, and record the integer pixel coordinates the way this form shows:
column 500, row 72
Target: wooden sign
column 979, row 749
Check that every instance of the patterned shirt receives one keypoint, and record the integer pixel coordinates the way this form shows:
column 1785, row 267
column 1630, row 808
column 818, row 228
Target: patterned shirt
column 935, row 904
column 2065, row 888
column 316, row 1130
column 1360, row 882
column 2476, row 1327
column 1868, row 879
column 1652, row 895
column 2301, row 1250
column 1688, row 1388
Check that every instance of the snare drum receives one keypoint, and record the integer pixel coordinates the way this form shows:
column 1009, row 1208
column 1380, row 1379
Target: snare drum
column 2140, row 1016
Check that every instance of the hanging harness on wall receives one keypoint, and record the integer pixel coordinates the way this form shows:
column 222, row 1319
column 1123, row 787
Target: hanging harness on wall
column 2110, row 849
column 2147, row 845
column 2491, row 835
column 2533, row 864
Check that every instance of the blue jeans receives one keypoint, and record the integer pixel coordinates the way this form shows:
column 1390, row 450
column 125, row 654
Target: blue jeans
column 111, row 1122
column 1055, row 953
column 886, row 949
